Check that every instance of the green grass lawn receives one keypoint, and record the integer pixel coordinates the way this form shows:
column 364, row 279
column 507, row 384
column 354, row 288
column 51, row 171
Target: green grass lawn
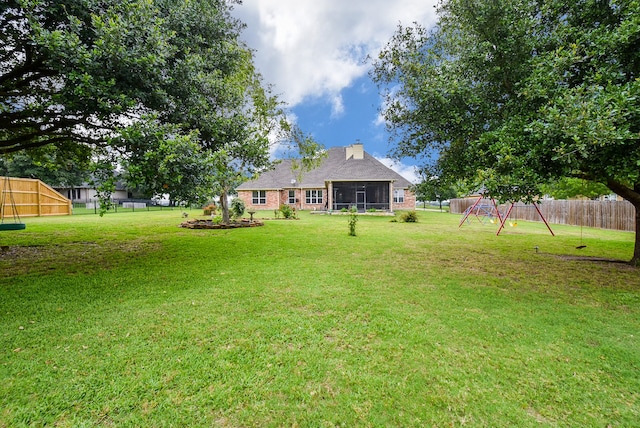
column 129, row 320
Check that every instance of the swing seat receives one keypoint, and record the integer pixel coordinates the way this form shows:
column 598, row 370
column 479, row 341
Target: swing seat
column 12, row 226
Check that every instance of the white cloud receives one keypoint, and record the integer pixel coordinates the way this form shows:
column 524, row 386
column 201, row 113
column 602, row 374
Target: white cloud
column 337, row 108
column 315, row 48
column 407, row 171
column 380, row 120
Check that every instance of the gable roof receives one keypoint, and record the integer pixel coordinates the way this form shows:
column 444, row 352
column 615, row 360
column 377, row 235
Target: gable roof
column 335, row 167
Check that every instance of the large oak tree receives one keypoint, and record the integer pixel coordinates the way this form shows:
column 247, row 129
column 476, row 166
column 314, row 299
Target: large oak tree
column 511, row 95
column 77, row 70
column 164, row 86
column 74, row 70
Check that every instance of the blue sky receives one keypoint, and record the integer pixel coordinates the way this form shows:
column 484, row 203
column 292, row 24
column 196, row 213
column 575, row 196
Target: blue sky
column 358, row 118
column 313, row 52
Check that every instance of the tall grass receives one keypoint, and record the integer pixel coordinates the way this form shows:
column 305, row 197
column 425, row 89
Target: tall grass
column 128, row 320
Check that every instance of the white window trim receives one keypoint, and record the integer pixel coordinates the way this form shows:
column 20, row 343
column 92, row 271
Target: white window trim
column 314, row 197
column 398, row 196
column 259, row 197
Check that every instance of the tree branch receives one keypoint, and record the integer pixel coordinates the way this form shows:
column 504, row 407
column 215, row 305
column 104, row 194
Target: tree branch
column 630, row 194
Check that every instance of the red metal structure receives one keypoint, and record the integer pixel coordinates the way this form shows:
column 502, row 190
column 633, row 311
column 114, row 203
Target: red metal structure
column 482, row 212
column 535, row 205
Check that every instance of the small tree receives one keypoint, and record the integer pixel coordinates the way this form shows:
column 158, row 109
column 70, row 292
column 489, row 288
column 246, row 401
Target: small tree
column 352, row 221
column 432, row 188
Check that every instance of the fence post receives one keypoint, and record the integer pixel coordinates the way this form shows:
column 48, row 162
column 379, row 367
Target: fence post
column 39, row 198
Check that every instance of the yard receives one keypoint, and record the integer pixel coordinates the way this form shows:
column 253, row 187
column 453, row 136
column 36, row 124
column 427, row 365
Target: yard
column 129, row 320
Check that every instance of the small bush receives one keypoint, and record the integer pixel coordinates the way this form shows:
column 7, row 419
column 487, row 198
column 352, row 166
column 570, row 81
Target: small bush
column 353, row 219
column 210, row 209
column 287, row 211
column 409, row 217
column 344, row 210
column 237, row 208
column 217, row 219
column 372, row 210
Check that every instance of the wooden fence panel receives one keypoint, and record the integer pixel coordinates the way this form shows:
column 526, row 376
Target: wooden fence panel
column 616, row 215
column 32, row 198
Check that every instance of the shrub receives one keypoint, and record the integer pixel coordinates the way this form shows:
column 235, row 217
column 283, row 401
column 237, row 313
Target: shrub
column 210, row 209
column 237, row 208
column 372, row 210
column 287, row 211
column 409, row 217
column 344, row 210
column 217, row 219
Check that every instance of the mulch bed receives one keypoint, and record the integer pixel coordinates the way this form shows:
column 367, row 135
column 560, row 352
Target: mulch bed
column 209, row 224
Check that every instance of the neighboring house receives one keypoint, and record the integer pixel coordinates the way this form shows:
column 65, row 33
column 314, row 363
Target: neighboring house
column 347, row 177
column 87, row 193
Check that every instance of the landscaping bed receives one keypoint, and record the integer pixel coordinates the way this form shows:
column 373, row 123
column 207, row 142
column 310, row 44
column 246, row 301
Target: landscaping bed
column 210, row 224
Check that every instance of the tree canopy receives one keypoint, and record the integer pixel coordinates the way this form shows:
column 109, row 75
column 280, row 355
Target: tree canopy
column 56, row 165
column 510, row 95
column 432, row 188
column 75, row 70
column 569, row 187
column 163, row 87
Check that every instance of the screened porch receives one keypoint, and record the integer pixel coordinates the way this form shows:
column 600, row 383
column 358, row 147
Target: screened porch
column 364, row 195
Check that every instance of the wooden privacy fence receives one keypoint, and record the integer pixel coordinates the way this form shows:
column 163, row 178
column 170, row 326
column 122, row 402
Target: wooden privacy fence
column 616, row 215
column 32, row 198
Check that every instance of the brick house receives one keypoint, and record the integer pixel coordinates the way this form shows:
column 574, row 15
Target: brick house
column 347, row 177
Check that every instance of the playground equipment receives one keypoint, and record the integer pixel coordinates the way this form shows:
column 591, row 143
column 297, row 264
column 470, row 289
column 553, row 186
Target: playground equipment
column 482, row 211
column 486, row 210
column 16, row 224
column 515, row 223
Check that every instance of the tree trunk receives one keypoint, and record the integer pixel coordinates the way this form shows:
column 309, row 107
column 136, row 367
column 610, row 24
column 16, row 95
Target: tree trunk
column 632, row 195
column 224, row 205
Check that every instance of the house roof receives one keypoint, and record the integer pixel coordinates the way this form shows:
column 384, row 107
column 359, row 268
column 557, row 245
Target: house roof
column 335, row 167
column 119, row 185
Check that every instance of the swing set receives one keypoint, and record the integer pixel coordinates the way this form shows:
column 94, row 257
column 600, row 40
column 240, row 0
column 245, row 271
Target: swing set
column 484, row 212
column 515, row 222
column 16, row 224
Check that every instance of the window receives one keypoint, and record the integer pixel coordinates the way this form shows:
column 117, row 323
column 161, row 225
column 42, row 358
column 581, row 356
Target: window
column 73, row 194
column 398, row 196
column 314, row 196
column 292, row 197
column 259, row 197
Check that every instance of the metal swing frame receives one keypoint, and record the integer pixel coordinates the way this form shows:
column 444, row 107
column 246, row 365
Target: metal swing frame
column 481, row 212
column 535, row 205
